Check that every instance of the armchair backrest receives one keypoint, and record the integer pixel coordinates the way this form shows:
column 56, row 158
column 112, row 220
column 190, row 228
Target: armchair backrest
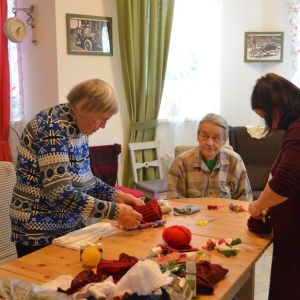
column 258, row 154
column 7, row 183
column 104, row 162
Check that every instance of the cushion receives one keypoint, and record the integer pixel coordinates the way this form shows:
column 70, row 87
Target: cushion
column 104, row 162
column 7, row 182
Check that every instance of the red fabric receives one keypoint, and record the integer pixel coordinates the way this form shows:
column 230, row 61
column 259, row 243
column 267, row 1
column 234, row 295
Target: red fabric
column 104, row 165
column 116, row 268
column 259, row 226
column 151, row 211
column 207, row 275
column 104, row 162
column 4, row 88
column 82, row 279
column 135, row 193
column 105, row 268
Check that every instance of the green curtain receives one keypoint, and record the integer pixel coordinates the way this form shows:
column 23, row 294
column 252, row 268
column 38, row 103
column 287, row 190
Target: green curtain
column 144, row 36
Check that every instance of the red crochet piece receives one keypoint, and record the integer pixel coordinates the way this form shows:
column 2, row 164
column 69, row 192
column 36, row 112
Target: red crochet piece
column 115, row 268
column 259, row 226
column 151, row 211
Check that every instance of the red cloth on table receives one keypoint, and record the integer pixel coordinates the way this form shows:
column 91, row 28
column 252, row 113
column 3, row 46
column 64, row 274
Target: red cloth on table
column 116, row 268
column 105, row 268
column 82, row 279
column 207, row 275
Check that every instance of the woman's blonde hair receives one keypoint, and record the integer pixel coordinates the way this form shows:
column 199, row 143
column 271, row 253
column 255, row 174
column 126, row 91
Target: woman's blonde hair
column 94, row 96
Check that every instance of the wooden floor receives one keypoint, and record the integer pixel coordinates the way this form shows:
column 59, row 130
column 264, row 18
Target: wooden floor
column 262, row 275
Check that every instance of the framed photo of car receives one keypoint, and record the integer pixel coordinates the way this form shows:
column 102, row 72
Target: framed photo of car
column 89, row 35
column 263, row 47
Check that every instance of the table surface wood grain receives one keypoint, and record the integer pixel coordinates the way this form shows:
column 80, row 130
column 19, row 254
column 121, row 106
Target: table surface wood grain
column 46, row 264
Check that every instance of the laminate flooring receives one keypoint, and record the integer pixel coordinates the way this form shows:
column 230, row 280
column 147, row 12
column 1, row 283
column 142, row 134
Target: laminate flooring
column 262, row 275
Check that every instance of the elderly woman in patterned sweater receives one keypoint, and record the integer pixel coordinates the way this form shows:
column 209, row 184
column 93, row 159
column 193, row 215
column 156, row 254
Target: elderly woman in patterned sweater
column 55, row 188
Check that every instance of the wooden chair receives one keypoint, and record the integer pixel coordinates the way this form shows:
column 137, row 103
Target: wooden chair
column 7, row 183
column 145, row 158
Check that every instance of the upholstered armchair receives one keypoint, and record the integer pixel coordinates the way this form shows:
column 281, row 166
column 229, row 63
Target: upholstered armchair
column 7, row 182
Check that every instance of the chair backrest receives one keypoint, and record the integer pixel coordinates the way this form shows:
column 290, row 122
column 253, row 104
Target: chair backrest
column 182, row 148
column 7, row 183
column 138, row 160
column 104, row 162
column 258, row 154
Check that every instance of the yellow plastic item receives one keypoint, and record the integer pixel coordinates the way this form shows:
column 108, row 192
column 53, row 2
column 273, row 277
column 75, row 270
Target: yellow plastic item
column 204, row 222
column 91, row 256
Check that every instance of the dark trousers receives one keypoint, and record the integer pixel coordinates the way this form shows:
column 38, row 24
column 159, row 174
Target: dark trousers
column 23, row 250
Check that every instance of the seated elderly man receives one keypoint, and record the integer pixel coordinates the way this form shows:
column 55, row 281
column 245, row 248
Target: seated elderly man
column 209, row 170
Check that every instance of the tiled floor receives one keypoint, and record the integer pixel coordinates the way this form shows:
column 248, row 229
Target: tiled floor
column 262, row 275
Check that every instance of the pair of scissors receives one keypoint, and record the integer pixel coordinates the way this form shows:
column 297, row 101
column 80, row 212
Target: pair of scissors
column 204, row 222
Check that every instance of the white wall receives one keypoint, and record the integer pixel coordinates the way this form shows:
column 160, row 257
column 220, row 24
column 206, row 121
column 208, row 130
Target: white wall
column 49, row 72
column 238, row 77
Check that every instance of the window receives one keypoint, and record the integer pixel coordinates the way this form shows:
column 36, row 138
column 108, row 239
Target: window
column 14, row 65
column 192, row 84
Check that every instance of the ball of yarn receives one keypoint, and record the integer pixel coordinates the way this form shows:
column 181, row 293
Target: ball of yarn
column 177, row 236
column 259, row 226
column 91, row 256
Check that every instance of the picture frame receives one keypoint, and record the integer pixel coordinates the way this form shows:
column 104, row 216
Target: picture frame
column 89, row 35
column 263, row 46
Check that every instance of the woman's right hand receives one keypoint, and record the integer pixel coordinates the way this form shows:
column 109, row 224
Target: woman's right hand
column 128, row 217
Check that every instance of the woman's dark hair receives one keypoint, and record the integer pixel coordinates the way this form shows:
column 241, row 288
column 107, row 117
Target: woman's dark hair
column 275, row 92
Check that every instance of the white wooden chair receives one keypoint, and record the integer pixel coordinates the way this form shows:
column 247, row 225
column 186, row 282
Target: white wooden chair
column 145, row 158
column 7, row 183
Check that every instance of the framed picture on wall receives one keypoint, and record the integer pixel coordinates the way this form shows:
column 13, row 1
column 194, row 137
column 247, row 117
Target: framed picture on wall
column 89, row 35
column 263, row 47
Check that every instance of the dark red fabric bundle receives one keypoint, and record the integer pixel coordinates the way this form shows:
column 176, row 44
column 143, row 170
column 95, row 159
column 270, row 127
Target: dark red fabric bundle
column 115, row 268
column 82, row 279
column 259, row 226
column 208, row 275
column 151, row 211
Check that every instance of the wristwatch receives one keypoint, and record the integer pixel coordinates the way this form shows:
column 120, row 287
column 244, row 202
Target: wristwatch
column 15, row 29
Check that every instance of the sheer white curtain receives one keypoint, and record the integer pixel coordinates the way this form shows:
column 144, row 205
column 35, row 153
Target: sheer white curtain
column 192, row 84
column 17, row 94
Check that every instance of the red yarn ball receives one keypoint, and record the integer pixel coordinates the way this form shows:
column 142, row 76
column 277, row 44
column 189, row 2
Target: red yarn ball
column 177, row 236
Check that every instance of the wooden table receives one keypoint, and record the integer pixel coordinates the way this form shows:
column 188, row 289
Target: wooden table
column 46, row 264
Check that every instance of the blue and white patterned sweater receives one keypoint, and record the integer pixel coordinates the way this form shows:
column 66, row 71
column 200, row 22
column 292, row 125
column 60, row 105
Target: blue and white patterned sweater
column 55, row 186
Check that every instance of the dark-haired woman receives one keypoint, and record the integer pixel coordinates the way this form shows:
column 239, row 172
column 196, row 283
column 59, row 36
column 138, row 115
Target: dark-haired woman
column 277, row 101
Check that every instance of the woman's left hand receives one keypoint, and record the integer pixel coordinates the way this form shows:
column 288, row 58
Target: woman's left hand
column 129, row 199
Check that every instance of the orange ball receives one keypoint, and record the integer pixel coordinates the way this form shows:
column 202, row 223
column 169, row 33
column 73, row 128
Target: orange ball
column 91, row 256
